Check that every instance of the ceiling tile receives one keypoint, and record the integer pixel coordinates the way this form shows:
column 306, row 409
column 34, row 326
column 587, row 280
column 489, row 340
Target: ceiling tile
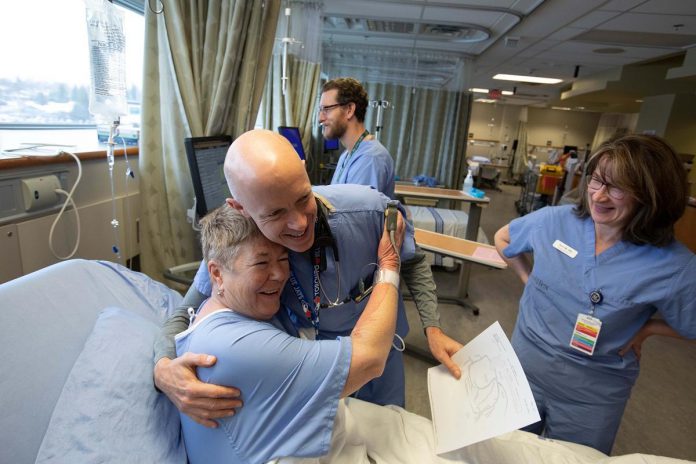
column 585, row 51
column 621, row 5
column 566, row 33
column 669, row 7
column 637, row 39
column 658, row 23
column 594, row 19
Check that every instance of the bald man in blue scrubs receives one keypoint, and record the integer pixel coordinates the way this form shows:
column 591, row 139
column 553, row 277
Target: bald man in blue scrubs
column 339, row 222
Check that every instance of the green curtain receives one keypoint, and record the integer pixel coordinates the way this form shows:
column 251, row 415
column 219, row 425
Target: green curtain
column 295, row 108
column 205, row 68
column 301, row 30
column 425, row 130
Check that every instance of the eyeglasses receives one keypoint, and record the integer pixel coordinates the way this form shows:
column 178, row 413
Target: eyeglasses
column 596, row 184
column 327, row 108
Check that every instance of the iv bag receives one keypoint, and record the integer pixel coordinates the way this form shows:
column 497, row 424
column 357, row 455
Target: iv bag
column 107, row 56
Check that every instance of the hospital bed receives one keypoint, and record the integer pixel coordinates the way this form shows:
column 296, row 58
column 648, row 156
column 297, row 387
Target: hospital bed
column 444, row 221
column 77, row 384
column 77, row 370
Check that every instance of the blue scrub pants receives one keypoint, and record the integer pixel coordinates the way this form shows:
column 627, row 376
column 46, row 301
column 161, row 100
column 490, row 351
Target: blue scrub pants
column 586, row 424
column 576, row 403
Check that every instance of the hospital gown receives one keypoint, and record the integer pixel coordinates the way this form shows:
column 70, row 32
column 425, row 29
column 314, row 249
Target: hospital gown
column 290, row 389
column 582, row 397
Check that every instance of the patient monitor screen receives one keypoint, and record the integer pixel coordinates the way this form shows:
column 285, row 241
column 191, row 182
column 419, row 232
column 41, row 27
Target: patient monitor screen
column 206, row 156
column 293, row 135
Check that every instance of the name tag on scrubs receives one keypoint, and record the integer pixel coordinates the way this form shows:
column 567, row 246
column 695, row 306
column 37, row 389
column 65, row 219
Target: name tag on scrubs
column 585, row 333
column 565, row 249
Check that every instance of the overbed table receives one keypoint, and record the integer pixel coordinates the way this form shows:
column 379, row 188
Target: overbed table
column 461, row 249
column 472, row 226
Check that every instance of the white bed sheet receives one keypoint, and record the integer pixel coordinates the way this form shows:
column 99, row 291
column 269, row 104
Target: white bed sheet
column 365, row 433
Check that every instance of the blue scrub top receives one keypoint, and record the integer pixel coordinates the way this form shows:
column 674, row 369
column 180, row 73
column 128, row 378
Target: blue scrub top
column 370, row 165
column 635, row 281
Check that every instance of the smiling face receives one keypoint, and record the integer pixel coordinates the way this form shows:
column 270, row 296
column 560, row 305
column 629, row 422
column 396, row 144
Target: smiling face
column 285, row 212
column 253, row 282
column 270, row 185
column 609, row 205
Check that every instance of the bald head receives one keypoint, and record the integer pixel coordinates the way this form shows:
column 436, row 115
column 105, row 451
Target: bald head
column 269, row 184
column 261, row 159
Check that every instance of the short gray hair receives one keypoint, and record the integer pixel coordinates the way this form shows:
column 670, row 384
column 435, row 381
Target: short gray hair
column 223, row 231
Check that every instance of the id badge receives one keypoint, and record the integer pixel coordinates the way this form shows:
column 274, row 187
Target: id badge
column 585, row 333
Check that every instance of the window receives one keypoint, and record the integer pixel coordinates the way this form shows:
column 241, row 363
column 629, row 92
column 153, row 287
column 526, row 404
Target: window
column 45, row 73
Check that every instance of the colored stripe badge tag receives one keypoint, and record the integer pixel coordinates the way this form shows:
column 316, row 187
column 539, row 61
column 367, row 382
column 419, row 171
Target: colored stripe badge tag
column 585, row 333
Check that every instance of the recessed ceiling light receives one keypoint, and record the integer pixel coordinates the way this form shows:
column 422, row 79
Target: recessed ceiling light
column 608, row 50
column 478, row 90
column 532, row 79
column 564, row 108
column 639, row 101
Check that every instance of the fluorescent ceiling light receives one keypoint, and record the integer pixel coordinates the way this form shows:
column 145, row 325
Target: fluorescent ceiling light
column 564, row 108
column 477, row 90
column 485, row 100
column 532, row 79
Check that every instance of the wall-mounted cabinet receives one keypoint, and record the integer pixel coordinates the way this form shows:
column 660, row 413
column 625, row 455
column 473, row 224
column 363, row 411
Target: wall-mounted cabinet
column 9, row 250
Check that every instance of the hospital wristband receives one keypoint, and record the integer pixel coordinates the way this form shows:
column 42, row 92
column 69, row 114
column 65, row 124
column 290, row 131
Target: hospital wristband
column 386, row 276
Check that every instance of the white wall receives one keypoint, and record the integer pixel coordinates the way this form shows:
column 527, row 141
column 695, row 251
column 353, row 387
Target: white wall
column 499, row 123
column 24, row 240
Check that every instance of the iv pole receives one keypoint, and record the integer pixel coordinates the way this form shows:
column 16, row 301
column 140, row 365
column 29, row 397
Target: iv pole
column 286, row 41
column 380, row 105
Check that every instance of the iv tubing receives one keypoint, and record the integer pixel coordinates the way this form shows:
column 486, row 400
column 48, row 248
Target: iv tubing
column 110, row 160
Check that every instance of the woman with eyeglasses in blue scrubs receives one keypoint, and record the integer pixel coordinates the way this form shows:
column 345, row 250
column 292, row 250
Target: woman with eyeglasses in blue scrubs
column 606, row 274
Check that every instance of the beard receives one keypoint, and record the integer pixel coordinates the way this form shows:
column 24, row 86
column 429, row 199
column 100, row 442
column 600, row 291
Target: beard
column 335, row 131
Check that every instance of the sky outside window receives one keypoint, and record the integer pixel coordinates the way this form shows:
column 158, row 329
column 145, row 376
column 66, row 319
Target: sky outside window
column 45, row 72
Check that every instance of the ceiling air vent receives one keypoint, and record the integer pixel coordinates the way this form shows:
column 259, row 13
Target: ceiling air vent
column 512, row 42
column 458, row 33
column 340, row 23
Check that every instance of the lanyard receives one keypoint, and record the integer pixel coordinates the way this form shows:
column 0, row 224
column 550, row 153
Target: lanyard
column 310, row 312
column 355, row 147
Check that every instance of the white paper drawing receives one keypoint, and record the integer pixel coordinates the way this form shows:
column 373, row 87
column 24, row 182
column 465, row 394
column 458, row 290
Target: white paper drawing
column 491, row 398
